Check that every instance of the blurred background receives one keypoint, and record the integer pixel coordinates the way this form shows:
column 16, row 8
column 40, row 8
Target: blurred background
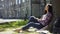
column 19, row 9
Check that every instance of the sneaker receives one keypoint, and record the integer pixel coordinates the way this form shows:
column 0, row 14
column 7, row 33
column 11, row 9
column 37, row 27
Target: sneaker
column 18, row 30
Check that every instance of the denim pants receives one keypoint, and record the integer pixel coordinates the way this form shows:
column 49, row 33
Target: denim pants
column 33, row 19
column 33, row 23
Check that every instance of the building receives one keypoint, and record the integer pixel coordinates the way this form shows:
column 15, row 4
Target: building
column 5, row 8
column 31, row 8
column 25, row 8
column 21, row 8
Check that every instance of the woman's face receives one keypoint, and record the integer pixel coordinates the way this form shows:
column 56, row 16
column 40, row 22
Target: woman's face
column 46, row 8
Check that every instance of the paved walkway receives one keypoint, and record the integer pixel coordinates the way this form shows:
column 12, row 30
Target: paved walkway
column 7, row 32
column 8, row 20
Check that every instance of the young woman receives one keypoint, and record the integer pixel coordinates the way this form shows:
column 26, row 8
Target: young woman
column 39, row 23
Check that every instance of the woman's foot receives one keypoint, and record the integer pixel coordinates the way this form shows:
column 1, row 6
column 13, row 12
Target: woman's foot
column 20, row 30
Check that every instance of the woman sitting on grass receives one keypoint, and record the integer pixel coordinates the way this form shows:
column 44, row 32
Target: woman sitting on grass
column 39, row 23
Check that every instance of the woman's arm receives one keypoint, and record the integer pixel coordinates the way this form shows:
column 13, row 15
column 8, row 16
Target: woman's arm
column 38, row 19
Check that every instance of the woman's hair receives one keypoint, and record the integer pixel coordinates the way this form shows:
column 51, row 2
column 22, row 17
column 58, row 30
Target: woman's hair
column 45, row 11
column 49, row 8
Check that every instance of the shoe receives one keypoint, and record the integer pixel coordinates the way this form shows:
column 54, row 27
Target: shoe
column 18, row 30
column 26, row 30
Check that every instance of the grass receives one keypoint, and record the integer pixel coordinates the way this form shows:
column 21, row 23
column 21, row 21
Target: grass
column 12, row 24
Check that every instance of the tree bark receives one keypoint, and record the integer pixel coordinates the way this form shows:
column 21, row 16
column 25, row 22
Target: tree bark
column 56, row 12
column 56, row 7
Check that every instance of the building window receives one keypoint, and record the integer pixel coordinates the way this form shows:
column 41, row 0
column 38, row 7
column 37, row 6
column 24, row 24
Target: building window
column 16, row 1
column 47, row 1
column 23, row 0
column 2, row 0
column 27, row 0
column 11, row 3
column 19, row 1
column 2, row 5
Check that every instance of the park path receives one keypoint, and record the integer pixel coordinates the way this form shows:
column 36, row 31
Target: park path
column 9, row 20
column 8, row 31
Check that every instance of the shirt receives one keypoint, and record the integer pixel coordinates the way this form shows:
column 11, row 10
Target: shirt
column 45, row 18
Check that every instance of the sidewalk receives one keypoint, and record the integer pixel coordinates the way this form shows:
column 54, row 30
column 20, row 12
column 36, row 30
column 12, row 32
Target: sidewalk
column 9, row 20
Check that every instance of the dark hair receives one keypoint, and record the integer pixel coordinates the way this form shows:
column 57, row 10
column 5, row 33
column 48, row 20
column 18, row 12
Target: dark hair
column 50, row 9
column 45, row 11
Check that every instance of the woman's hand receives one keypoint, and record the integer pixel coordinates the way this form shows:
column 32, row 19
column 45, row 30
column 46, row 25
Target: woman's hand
column 39, row 19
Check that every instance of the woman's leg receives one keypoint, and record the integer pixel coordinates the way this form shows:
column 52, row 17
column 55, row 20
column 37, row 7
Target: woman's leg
column 31, row 24
column 33, row 19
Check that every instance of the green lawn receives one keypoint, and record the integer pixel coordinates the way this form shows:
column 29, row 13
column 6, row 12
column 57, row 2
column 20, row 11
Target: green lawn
column 12, row 24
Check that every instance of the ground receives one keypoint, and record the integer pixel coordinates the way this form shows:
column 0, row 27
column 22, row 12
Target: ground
column 10, row 31
column 8, row 20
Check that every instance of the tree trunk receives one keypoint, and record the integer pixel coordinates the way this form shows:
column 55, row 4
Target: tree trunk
column 56, row 7
column 56, row 12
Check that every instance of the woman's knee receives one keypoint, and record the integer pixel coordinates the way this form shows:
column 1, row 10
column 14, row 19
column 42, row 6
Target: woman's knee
column 32, row 17
column 31, row 23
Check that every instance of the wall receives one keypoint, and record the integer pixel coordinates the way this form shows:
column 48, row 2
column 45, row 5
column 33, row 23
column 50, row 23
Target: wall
column 56, row 7
column 36, row 10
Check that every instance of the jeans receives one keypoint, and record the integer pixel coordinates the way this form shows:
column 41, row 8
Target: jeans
column 33, row 19
column 33, row 23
